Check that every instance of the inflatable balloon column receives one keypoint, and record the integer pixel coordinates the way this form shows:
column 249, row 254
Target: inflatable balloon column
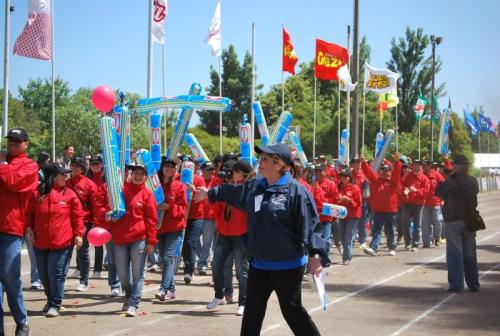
column 377, row 162
column 155, row 121
column 281, row 127
column 245, row 141
column 103, row 99
column 122, row 124
column 334, row 210
column 443, row 143
column 344, row 141
column 261, row 123
column 196, row 148
column 143, row 157
column 294, row 140
column 379, row 143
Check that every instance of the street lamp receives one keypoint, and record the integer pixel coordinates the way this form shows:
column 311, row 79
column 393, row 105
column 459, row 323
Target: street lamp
column 434, row 40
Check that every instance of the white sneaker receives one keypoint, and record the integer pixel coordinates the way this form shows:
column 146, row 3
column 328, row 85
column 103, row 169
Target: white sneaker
column 363, row 246
column 82, row 288
column 96, row 275
column 115, row 292
column 215, row 302
column 75, row 274
column 240, row 311
column 36, row 285
column 52, row 312
column 155, row 268
column 392, row 252
column 131, row 311
column 370, row 251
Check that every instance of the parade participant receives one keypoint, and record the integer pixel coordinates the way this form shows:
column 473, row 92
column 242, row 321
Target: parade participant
column 208, row 229
column 135, row 237
column 459, row 193
column 384, row 202
column 69, row 152
column 282, row 219
column 18, row 179
column 170, row 230
column 330, row 194
column 349, row 197
column 193, row 231
column 86, row 190
column 432, row 218
column 96, row 174
column 414, row 188
column 231, row 224
column 54, row 224
column 360, row 180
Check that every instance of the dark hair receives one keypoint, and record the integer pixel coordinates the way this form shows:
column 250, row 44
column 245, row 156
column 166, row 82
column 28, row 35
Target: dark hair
column 160, row 171
column 42, row 157
column 67, row 147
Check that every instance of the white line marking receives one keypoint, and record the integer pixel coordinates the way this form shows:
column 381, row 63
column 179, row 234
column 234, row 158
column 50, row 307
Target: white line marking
column 340, row 299
column 431, row 310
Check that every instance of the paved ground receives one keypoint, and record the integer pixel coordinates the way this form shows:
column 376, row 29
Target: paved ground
column 384, row 295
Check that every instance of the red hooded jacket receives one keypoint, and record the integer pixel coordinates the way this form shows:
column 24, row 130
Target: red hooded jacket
column 383, row 192
column 18, row 180
column 330, row 194
column 354, row 206
column 139, row 222
column 236, row 222
column 213, row 182
column 174, row 219
column 86, row 190
column 197, row 209
column 435, row 179
column 55, row 220
column 419, row 182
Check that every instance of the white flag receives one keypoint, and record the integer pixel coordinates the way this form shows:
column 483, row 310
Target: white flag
column 345, row 80
column 213, row 38
column 159, row 18
column 380, row 81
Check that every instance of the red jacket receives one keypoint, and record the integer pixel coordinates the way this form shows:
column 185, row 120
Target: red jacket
column 330, row 195
column 383, row 192
column 359, row 178
column 174, row 218
column 354, row 206
column 86, row 190
column 305, row 184
column 236, row 225
column 18, row 180
column 139, row 222
column 56, row 220
column 435, row 179
column 197, row 209
column 213, row 182
column 98, row 178
column 332, row 174
column 101, row 207
column 420, row 182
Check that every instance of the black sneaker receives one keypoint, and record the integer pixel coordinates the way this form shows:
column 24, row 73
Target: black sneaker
column 22, row 330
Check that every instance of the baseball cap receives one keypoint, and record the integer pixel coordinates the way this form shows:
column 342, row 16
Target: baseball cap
column 79, row 161
column 18, row 133
column 279, row 149
column 207, row 165
column 54, row 169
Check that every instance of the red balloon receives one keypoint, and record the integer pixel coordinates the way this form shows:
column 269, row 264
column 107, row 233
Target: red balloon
column 103, row 98
column 98, row 236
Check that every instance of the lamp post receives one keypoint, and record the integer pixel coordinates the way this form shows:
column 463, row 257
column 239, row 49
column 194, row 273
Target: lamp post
column 434, row 41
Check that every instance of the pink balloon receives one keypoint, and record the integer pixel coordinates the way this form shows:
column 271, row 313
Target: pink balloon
column 98, row 236
column 103, row 98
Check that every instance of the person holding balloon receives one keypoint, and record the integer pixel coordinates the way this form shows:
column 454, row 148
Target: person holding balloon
column 171, row 228
column 54, row 223
column 134, row 235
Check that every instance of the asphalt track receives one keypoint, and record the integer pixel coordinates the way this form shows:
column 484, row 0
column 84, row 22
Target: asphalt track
column 383, row 295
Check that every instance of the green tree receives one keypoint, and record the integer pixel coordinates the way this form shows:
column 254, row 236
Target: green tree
column 415, row 70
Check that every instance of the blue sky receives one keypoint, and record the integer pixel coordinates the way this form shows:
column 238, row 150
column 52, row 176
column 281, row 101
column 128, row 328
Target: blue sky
column 105, row 41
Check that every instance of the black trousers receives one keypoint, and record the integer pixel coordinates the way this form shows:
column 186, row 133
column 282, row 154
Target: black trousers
column 287, row 285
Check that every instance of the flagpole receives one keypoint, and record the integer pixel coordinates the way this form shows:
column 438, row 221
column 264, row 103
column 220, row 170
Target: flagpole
column 252, row 123
column 363, row 131
column 5, row 128
column 479, row 140
column 282, row 80
column 397, row 130
column 348, row 119
column 150, row 51
column 220, row 112
column 338, row 118
column 314, row 118
column 53, row 85
column 380, row 119
column 419, row 141
column 165, row 112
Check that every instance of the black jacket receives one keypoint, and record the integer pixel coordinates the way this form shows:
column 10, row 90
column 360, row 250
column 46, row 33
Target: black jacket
column 459, row 192
column 281, row 218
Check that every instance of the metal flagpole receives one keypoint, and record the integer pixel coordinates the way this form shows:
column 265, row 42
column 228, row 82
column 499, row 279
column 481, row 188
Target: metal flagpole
column 363, row 130
column 348, row 118
column 220, row 112
column 252, row 118
column 165, row 112
column 314, row 118
column 53, row 86
column 6, row 70
column 397, row 131
column 282, row 81
column 338, row 119
column 150, row 51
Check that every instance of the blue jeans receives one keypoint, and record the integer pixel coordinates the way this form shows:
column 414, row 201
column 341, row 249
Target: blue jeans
column 113, row 280
column 34, row 276
column 381, row 220
column 207, row 235
column 10, row 277
column 461, row 256
column 52, row 268
column 325, row 228
column 130, row 261
column 223, row 246
column 83, row 257
column 411, row 213
column 347, row 230
column 432, row 223
column 228, row 274
column 166, row 244
column 365, row 216
column 191, row 239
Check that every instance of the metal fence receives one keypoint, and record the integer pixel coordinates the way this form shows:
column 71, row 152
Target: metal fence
column 489, row 183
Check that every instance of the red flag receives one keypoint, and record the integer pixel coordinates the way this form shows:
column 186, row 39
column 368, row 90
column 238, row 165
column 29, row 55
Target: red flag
column 36, row 39
column 289, row 56
column 329, row 58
